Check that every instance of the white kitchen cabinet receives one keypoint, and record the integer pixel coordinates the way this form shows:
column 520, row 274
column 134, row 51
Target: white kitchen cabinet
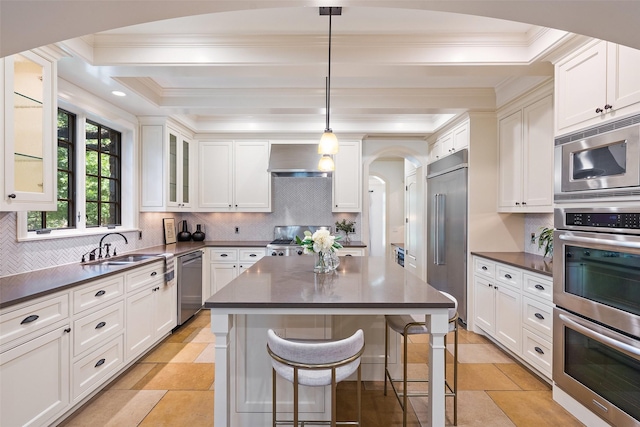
column 34, row 361
column 167, row 169
column 28, row 141
column 454, row 139
column 526, row 157
column 228, row 263
column 35, row 380
column 151, row 312
column 595, row 84
column 514, row 307
column 347, row 178
column 233, row 176
column 351, row 252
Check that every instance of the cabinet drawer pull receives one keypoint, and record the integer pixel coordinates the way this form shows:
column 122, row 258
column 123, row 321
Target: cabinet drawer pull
column 507, row 276
column 608, row 107
column 538, row 350
column 539, row 316
column 540, row 287
column 30, row 319
column 100, row 363
column 484, row 267
column 11, row 196
column 100, row 293
column 101, row 325
column 67, row 330
column 599, row 110
column 348, row 255
column 253, row 255
column 154, row 273
column 224, row 255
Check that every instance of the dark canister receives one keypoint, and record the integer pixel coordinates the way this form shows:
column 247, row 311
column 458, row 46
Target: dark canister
column 184, row 235
column 198, row 235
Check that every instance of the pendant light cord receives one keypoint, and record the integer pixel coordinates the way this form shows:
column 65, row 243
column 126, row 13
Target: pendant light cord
column 328, row 85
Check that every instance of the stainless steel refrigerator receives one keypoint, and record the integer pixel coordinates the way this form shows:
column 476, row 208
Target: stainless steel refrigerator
column 447, row 222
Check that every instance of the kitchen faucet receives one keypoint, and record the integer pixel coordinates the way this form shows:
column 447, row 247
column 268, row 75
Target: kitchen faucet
column 109, row 244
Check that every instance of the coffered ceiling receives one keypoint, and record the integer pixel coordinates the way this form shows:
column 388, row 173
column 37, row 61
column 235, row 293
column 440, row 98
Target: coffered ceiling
column 393, row 71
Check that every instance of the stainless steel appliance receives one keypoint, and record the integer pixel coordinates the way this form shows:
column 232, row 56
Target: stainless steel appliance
column 597, row 318
column 447, row 219
column 189, row 282
column 284, row 243
column 603, row 162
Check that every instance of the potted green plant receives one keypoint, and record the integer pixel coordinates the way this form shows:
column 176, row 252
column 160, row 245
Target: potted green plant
column 346, row 227
column 545, row 239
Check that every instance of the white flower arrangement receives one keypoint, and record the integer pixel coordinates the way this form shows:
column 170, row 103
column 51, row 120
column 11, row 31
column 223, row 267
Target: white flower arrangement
column 319, row 242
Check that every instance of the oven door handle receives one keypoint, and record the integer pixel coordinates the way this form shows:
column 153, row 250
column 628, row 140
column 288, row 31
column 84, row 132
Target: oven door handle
column 598, row 241
column 610, row 341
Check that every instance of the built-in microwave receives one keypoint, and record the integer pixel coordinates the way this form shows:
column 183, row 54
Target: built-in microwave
column 603, row 162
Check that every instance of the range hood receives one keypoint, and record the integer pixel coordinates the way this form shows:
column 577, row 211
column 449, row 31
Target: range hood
column 295, row 160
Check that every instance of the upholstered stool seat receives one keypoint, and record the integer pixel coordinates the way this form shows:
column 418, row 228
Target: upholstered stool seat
column 407, row 325
column 315, row 364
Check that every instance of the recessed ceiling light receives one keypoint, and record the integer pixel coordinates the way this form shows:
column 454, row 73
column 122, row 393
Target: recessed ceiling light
column 118, row 93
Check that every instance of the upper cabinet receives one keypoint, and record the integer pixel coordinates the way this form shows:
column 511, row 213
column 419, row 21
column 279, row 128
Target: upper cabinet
column 167, row 169
column 525, row 134
column 594, row 84
column 28, row 143
column 233, row 176
column 347, row 177
column 451, row 141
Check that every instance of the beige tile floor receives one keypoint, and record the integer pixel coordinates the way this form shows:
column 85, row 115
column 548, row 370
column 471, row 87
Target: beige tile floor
column 173, row 386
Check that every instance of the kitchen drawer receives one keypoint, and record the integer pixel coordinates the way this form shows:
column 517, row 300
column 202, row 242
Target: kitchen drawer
column 509, row 275
column 97, row 327
column 537, row 316
column 484, row 268
column 539, row 286
column 537, row 351
column 95, row 368
column 222, row 255
column 144, row 276
column 350, row 252
column 36, row 316
column 251, row 255
column 98, row 293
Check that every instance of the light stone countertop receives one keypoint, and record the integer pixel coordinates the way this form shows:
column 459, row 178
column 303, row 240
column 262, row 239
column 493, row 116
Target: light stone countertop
column 359, row 282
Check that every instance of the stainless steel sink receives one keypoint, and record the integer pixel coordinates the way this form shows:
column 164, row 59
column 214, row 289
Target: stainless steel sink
column 125, row 259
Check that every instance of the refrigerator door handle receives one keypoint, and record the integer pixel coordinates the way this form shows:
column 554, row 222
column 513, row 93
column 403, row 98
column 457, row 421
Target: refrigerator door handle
column 439, row 238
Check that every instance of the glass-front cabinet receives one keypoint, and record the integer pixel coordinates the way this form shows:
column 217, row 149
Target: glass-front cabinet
column 178, row 170
column 29, row 137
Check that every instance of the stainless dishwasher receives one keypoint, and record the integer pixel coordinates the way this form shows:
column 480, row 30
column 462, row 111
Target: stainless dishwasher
column 189, row 282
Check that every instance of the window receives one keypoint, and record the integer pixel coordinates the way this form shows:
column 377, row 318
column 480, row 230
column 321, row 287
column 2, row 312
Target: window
column 102, row 181
column 63, row 217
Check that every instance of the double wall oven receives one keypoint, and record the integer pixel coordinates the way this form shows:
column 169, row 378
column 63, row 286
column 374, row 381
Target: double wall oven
column 597, row 315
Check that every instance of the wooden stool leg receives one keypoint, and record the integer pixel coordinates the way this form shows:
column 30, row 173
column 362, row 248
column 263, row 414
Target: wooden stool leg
column 359, row 397
column 404, row 381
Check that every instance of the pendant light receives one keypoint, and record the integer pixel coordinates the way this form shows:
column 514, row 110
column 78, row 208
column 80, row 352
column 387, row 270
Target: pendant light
column 328, row 142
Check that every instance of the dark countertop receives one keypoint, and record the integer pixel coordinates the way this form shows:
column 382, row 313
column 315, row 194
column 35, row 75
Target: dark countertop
column 359, row 282
column 398, row 245
column 33, row 284
column 527, row 261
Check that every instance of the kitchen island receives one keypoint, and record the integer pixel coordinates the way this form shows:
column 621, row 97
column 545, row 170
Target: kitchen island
column 284, row 294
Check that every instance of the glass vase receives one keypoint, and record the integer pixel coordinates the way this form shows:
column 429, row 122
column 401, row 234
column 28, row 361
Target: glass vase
column 325, row 262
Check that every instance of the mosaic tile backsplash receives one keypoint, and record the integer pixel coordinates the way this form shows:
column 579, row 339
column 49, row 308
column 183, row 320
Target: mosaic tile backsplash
column 296, row 201
column 532, row 224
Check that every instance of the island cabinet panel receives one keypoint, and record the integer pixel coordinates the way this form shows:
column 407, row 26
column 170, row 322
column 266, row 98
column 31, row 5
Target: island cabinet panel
column 513, row 306
column 251, row 361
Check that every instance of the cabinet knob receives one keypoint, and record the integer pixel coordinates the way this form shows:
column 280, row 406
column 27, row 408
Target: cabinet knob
column 599, row 110
column 608, row 107
column 524, row 203
column 484, row 267
column 67, row 330
column 517, row 203
column 11, row 196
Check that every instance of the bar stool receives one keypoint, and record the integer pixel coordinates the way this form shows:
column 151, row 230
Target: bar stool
column 315, row 364
column 407, row 325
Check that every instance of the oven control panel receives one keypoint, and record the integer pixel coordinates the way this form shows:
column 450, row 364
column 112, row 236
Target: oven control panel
column 604, row 220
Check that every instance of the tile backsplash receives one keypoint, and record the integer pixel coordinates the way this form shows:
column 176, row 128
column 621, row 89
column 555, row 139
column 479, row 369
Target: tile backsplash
column 296, row 201
column 532, row 224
